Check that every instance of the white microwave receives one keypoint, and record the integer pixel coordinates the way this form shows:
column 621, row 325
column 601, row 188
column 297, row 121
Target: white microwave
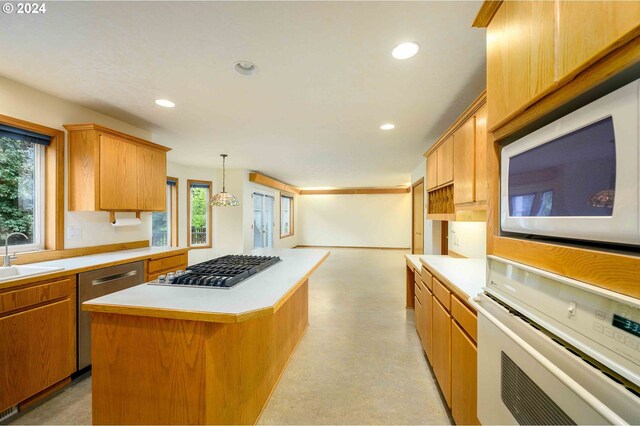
column 578, row 177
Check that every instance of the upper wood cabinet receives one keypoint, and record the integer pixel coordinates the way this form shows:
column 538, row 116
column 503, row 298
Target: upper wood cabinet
column 432, row 170
column 534, row 47
column 445, row 162
column 111, row 171
column 481, row 143
column 520, row 52
column 464, row 164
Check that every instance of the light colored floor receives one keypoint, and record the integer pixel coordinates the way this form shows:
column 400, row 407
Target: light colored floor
column 359, row 362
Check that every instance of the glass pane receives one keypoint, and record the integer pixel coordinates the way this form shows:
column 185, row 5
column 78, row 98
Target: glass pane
column 573, row 175
column 285, row 220
column 161, row 224
column 199, row 216
column 268, row 220
column 257, row 221
column 18, row 192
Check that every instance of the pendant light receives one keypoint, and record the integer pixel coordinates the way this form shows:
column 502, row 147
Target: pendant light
column 224, row 199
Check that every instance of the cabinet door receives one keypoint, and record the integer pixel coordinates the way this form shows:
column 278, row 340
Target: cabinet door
column 445, row 162
column 520, row 56
column 118, row 174
column 587, row 27
column 432, row 170
column 427, row 341
column 417, row 312
column 441, row 361
column 464, row 162
column 481, row 154
column 152, row 179
column 36, row 351
column 464, row 377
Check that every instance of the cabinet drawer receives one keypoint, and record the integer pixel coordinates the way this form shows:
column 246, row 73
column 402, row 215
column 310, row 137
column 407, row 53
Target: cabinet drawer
column 155, row 266
column 442, row 294
column 426, row 278
column 416, row 275
column 465, row 317
column 419, row 292
column 18, row 299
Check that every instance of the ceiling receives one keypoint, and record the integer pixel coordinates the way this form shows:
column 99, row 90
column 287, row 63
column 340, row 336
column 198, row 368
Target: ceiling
column 326, row 79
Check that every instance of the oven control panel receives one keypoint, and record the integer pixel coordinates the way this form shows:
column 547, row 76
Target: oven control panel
column 603, row 324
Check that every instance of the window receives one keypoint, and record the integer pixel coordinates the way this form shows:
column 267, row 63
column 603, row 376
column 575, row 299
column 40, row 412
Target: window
column 286, row 216
column 165, row 223
column 199, row 214
column 22, row 183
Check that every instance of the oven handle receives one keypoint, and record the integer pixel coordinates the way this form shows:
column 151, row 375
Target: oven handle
column 596, row 404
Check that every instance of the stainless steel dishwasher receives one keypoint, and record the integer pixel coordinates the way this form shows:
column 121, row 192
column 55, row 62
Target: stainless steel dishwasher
column 98, row 283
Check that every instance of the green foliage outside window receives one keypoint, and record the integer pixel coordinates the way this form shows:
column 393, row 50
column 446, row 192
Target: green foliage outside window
column 17, row 187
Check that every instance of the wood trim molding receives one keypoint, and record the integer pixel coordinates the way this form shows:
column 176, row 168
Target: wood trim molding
column 117, row 134
column 486, row 13
column 463, row 118
column 291, row 215
column 456, row 255
column 272, row 183
column 210, row 242
column 356, row 191
column 355, row 247
column 418, row 182
column 175, row 222
column 42, row 256
column 54, row 180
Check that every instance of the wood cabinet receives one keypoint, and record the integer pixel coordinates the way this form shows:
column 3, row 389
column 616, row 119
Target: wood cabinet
column 111, row 171
column 534, row 47
column 432, row 170
column 441, row 352
column 481, row 143
column 464, row 377
column 520, row 55
column 587, row 28
column 464, row 164
column 163, row 266
column 427, row 328
column 445, row 162
column 38, row 335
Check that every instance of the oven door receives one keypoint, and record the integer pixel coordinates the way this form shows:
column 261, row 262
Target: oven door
column 577, row 178
column 524, row 377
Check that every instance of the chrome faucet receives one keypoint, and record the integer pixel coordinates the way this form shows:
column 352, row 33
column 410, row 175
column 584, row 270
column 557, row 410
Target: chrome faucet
column 7, row 257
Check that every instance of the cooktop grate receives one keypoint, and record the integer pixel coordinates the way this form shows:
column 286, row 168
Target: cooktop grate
column 222, row 272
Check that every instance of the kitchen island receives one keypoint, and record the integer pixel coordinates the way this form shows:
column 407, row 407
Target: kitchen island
column 179, row 355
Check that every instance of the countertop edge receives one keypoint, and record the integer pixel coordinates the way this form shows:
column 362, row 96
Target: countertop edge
column 461, row 294
column 201, row 315
column 66, row 272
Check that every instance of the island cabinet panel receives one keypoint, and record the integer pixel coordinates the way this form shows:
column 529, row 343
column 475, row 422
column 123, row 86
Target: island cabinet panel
column 441, row 361
column 432, row 170
column 168, row 371
column 587, row 28
column 520, row 56
column 464, row 377
column 118, row 174
column 37, row 331
column 464, row 162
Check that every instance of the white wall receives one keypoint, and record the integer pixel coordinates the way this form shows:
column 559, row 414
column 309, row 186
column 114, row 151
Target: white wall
column 382, row 220
column 468, row 238
column 432, row 228
column 25, row 103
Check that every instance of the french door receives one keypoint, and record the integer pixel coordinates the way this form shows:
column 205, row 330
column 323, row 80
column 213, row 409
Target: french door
column 262, row 220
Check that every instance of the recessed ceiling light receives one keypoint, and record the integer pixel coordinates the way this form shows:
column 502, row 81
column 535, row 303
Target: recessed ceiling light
column 388, row 126
column 405, row 50
column 245, row 68
column 165, row 103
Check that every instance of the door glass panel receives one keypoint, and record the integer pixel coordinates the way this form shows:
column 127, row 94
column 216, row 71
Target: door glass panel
column 268, row 221
column 257, row 221
column 573, row 175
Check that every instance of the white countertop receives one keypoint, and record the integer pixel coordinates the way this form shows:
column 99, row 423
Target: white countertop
column 260, row 291
column 82, row 262
column 469, row 275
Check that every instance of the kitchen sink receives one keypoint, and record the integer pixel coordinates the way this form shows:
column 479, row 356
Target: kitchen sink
column 22, row 271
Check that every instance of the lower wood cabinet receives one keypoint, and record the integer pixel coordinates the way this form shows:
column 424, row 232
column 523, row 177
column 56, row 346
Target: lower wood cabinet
column 464, row 377
column 38, row 339
column 441, row 359
column 419, row 317
column 427, row 337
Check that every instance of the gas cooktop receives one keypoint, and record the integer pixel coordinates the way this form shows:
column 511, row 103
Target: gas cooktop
column 222, row 272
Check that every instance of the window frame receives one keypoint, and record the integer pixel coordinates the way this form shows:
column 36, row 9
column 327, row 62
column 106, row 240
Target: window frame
column 291, row 215
column 52, row 221
column 172, row 208
column 209, row 226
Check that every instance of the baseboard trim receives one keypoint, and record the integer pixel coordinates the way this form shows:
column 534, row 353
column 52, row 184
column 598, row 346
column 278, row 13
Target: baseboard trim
column 355, row 247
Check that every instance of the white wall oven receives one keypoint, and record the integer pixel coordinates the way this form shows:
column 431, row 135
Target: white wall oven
column 578, row 177
column 552, row 350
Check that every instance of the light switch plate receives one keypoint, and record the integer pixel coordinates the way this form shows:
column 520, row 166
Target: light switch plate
column 74, row 232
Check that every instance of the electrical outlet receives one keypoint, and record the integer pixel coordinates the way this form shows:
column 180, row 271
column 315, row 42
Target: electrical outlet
column 74, row 232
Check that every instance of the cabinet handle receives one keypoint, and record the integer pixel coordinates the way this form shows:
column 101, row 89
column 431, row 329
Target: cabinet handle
column 114, row 277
